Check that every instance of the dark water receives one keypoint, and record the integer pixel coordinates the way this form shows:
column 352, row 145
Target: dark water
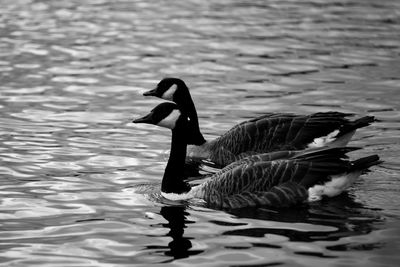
column 72, row 73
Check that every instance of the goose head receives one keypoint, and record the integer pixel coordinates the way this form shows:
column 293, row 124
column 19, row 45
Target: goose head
column 166, row 115
column 175, row 90
column 171, row 89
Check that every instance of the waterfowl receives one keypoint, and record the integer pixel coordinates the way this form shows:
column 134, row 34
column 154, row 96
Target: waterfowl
column 276, row 181
column 266, row 133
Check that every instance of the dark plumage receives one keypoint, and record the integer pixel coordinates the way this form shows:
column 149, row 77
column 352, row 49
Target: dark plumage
column 278, row 179
column 266, row 133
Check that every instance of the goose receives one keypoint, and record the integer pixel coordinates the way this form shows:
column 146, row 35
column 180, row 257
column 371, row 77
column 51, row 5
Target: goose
column 277, row 181
column 266, row 133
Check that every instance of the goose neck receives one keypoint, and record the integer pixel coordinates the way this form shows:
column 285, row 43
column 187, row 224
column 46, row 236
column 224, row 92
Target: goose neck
column 186, row 104
column 173, row 176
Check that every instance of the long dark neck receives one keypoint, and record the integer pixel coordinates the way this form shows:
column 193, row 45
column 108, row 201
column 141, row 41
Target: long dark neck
column 185, row 102
column 174, row 172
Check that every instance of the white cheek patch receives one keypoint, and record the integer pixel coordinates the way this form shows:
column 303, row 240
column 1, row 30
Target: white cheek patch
column 170, row 120
column 168, row 95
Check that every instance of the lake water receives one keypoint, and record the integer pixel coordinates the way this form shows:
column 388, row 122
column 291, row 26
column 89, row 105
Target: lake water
column 71, row 78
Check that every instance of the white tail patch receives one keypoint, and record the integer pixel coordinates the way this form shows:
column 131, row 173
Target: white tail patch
column 168, row 95
column 334, row 187
column 170, row 121
column 324, row 140
column 342, row 140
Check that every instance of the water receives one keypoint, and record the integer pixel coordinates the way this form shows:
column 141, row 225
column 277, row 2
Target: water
column 72, row 74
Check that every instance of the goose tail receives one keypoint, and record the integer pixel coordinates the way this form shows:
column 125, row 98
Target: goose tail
column 363, row 164
column 354, row 125
column 339, row 183
column 348, row 130
column 342, row 136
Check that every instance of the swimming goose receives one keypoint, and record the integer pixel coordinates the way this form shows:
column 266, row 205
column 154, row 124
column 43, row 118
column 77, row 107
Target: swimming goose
column 276, row 181
column 269, row 132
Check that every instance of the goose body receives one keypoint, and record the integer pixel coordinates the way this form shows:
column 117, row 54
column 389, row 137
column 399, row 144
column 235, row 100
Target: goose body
column 266, row 133
column 278, row 179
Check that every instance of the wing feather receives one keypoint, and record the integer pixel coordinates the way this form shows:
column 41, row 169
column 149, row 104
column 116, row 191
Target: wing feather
column 284, row 195
column 252, row 182
column 273, row 132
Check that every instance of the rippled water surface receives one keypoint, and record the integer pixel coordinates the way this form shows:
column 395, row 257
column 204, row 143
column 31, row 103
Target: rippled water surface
column 72, row 74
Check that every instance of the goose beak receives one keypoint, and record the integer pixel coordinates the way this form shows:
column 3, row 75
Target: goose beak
column 152, row 92
column 145, row 119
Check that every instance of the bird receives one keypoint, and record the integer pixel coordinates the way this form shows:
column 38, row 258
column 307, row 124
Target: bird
column 276, row 181
column 266, row 133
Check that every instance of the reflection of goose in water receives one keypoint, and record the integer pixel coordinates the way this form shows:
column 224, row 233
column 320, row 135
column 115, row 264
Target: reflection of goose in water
column 337, row 224
column 283, row 182
column 179, row 246
column 347, row 216
column 270, row 132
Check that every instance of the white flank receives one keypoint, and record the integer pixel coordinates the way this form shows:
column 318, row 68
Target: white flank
column 342, row 140
column 334, row 187
column 170, row 120
column 322, row 141
column 168, row 95
column 315, row 193
column 193, row 193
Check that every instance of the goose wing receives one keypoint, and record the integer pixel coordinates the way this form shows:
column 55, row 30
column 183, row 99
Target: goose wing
column 284, row 195
column 263, row 157
column 273, row 132
column 281, row 182
column 308, row 154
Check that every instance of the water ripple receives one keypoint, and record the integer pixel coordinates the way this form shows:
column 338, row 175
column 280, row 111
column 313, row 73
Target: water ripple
column 73, row 74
